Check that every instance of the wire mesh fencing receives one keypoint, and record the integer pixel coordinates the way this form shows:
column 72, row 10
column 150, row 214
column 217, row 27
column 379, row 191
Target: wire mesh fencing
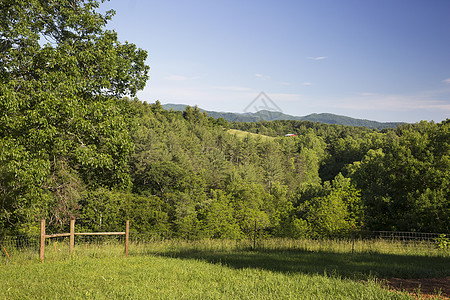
column 403, row 236
column 401, row 239
column 357, row 241
column 11, row 246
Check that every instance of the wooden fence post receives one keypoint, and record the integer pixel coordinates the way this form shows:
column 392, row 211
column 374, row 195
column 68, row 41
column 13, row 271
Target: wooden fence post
column 254, row 237
column 42, row 249
column 127, row 235
column 72, row 236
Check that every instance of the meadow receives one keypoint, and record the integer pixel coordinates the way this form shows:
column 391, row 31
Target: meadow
column 221, row 269
column 242, row 134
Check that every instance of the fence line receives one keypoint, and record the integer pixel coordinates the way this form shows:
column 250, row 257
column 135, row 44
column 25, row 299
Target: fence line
column 398, row 235
column 72, row 235
column 10, row 244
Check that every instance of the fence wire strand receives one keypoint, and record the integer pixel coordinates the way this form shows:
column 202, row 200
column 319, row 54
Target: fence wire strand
column 10, row 245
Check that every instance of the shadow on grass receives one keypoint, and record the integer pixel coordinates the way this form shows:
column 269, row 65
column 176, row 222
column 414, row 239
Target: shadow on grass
column 358, row 266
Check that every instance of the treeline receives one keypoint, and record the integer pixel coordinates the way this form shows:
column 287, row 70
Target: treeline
column 324, row 181
column 402, row 174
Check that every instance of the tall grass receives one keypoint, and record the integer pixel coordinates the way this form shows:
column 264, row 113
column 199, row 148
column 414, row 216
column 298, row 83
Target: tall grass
column 218, row 269
column 141, row 245
column 380, row 246
column 369, row 259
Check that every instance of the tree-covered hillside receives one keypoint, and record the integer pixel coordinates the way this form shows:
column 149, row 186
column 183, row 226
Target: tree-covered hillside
column 190, row 177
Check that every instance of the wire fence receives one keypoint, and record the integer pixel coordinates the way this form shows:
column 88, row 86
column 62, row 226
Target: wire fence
column 20, row 242
column 403, row 236
column 12, row 245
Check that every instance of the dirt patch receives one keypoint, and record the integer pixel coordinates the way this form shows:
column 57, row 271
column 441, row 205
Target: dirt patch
column 425, row 287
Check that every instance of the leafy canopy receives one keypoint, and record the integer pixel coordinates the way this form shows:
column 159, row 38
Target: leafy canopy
column 62, row 77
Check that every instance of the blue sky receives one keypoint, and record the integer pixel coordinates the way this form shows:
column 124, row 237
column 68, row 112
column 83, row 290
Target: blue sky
column 384, row 60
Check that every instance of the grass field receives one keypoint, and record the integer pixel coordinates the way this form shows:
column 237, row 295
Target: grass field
column 210, row 269
column 243, row 134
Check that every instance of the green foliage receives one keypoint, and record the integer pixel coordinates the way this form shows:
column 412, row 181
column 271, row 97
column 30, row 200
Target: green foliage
column 62, row 116
column 407, row 179
column 217, row 220
column 250, row 206
column 107, row 210
column 442, row 242
column 276, row 182
column 331, row 210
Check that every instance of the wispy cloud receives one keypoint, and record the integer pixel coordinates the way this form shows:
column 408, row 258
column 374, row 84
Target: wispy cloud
column 446, row 80
column 307, row 83
column 317, row 57
column 262, row 76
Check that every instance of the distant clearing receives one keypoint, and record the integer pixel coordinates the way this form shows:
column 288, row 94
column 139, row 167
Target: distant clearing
column 243, row 134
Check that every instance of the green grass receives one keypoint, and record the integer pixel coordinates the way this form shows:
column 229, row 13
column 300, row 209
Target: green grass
column 145, row 277
column 243, row 134
column 210, row 269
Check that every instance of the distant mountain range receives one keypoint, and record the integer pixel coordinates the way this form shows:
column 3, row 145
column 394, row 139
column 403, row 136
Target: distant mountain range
column 265, row 115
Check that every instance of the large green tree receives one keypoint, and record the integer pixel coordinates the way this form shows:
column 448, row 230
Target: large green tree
column 63, row 125
column 405, row 183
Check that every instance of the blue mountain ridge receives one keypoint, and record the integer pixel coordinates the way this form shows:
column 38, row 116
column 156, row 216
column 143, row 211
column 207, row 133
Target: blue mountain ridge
column 265, row 115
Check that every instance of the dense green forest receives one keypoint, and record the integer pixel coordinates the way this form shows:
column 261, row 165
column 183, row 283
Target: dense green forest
column 76, row 144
